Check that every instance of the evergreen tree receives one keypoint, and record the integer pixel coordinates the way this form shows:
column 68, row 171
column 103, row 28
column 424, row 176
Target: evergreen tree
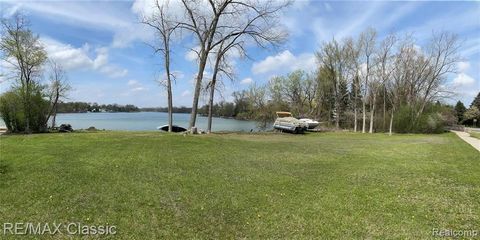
column 459, row 111
column 476, row 101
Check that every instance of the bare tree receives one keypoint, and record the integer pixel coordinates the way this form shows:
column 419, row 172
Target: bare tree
column 59, row 88
column 164, row 25
column 333, row 57
column 418, row 76
column 392, row 95
column 442, row 58
column 224, row 19
column 367, row 45
column 221, row 66
column 382, row 71
column 353, row 66
column 310, row 88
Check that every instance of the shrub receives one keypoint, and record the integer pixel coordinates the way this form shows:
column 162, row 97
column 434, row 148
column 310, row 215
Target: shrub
column 13, row 111
column 434, row 119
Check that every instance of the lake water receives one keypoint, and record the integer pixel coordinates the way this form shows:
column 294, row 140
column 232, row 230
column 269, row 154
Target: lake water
column 147, row 121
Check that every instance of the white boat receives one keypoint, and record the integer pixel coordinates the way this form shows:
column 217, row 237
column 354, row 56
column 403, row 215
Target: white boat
column 311, row 123
column 285, row 122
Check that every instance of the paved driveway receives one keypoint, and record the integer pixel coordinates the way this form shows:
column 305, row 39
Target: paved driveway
column 470, row 140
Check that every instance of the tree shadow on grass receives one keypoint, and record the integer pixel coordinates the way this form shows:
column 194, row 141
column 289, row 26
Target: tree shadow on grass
column 4, row 168
column 4, row 176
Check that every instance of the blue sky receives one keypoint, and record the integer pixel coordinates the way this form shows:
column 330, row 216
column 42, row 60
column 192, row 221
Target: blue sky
column 102, row 45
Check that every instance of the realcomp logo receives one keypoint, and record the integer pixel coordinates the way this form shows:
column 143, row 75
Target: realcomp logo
column 28, row 228
column 455, row 233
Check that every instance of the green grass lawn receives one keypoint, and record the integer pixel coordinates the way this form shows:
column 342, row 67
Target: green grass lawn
column 325, row 185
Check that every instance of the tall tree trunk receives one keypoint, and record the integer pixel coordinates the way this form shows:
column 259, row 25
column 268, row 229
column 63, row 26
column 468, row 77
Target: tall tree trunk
column 337, row 117
column 196, row 96
column 210, row 106
column 53, row 110
column 355, row 109
column 372, row 113
column 54, row 119
column 384, row 107
column 169, row 93
column 27, row 109
column 364, row 100
column 337, row 102
column 170, row 105
column 337, row 111
column 364, row 108
column 355, row 119
column 391, row 123
column 212, row 89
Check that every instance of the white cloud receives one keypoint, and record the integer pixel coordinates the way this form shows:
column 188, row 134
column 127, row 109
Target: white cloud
column 363, row 15
column 463, row 84
column 458, row 23
column 69, row 56
column 300, row 4
column 101, row 59
column 147, row 7
column 359, row 23
column 138, row 89
column 285, row 61
column 113, row 71
column 85, row 13
column 391, row 21
column 9, row 11
column 97, row 15
column 463, row 80
column 73, row 58
column 178, row 75
column 185, row 93
column 463, row 66
column 131, row 34
column 132, row 82
column 134, row 87
column 246, row 81
column 192, row 55
column 470, row 47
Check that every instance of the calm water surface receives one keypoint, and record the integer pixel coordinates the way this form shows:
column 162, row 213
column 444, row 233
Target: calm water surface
column 146, row 121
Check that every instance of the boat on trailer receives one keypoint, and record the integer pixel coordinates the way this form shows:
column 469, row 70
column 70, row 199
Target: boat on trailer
column 311, row 123
column 285, row 122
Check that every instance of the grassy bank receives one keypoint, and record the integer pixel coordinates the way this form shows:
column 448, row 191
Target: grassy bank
column 328, row 185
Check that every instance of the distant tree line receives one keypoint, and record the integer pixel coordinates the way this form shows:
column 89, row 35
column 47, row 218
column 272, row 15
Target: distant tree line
column 81, row 107
column 181, row 109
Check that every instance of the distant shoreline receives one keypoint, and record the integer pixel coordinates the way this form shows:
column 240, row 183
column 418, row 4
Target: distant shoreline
column 198, row 114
